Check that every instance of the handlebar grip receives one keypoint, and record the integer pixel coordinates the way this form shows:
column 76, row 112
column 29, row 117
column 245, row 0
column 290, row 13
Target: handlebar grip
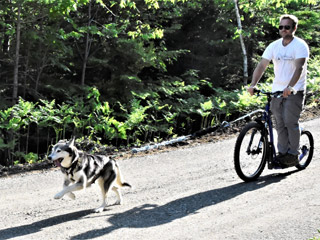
column 256, row 90
column 293, row 91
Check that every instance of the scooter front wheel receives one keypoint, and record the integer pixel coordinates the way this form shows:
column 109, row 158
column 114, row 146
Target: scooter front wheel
column 250, row 152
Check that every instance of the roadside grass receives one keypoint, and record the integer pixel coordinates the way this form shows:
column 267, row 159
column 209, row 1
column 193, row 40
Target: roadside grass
column 315, row 238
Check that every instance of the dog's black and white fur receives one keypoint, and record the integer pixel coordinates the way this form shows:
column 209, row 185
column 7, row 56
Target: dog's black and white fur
column 81, row 170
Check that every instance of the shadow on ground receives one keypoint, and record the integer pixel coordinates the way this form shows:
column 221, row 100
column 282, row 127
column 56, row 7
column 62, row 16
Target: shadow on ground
column 34, row 227
column 149, row 215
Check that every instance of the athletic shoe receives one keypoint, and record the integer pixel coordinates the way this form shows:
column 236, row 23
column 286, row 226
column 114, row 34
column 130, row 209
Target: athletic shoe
column 289, row 160
column 280, row 155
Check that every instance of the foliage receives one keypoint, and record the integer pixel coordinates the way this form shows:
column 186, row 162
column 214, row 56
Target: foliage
column 154, row 69
column 313, row 84
column 315, row 238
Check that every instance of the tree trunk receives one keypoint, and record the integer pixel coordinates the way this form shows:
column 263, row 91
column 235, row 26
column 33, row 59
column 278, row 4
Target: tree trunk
column 87, row 48
column 243, row 47
column 41, row 64
column 16, row 60
column 26, row 70
column 6, row 39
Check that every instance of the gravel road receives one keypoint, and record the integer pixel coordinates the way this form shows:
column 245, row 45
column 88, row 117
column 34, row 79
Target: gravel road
column 186, row 193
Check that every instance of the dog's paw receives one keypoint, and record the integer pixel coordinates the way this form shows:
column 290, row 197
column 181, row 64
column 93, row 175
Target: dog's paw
column 71, row 195
column 119, row 202
column 58, row 195
column 99, row 210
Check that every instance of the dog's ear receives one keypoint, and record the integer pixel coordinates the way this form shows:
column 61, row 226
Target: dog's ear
column 71, row 142
column 74, row 149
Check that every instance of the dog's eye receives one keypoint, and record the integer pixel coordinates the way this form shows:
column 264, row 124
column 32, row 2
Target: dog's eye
column 58, row 150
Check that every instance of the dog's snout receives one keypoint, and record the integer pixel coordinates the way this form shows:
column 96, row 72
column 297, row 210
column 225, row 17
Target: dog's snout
column 49, row 157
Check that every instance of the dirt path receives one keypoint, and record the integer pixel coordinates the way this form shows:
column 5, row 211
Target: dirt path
column 190, row 193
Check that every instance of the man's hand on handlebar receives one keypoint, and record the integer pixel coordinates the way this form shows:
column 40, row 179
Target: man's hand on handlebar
column 252, row 90
column 286, row 92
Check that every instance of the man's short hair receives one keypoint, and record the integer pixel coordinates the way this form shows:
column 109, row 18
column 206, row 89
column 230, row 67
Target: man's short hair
column 291, row 17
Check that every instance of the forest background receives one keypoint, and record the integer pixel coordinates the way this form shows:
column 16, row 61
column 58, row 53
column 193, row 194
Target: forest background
column 122, row 73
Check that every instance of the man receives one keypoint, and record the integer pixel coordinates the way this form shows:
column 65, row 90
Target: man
column 289, row 56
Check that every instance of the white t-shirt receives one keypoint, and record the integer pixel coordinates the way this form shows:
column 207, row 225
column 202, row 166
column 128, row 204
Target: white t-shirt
column 283, row 60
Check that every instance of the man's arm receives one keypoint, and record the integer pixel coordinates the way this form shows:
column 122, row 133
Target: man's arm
column 299, row 63
column 257, row 74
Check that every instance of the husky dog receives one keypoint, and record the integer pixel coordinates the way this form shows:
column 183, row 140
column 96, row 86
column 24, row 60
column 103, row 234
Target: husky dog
column 81, row 170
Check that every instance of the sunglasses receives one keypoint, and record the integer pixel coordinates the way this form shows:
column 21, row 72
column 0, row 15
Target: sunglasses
column 286, row 27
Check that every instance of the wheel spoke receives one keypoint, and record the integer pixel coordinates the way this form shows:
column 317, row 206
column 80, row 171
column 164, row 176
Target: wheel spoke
column 250, row 152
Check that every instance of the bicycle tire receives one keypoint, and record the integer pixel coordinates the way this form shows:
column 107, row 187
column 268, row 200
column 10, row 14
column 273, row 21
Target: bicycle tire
column 306, row 148
column 250, row 153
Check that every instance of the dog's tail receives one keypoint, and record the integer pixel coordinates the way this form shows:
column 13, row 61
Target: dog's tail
column 119, row 180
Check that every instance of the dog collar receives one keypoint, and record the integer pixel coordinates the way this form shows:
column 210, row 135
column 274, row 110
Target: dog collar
column 70, row 169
